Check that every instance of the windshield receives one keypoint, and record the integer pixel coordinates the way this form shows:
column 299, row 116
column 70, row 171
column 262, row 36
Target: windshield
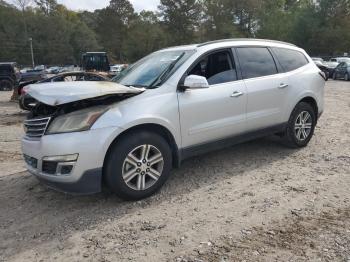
column 153, row 70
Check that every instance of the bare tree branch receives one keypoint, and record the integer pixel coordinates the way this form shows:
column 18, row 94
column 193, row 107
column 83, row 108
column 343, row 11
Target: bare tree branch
column 22, row 4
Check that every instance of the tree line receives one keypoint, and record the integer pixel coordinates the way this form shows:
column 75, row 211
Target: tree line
column 60, row 35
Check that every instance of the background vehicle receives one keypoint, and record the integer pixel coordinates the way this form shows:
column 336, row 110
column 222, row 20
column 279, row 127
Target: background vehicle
column 342, row 71
column 340, row 59
column 323, row 66
column 9, row 76
column 68, row 68
column 25, row 69
column 53, row 70
column 117, row 69
column 95, row 61
column 151, row 117
column 26, row 102
column 40, row 68
column 317, row 59
column 33, row 75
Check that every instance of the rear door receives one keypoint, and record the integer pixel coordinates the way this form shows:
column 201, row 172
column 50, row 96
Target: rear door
column 266, row 88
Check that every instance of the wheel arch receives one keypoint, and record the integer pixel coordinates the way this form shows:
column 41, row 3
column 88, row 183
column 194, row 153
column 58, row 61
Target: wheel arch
column 311, row 101
column 154, row 128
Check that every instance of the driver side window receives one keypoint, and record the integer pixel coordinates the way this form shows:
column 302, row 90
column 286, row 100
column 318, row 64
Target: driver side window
column 217, row 68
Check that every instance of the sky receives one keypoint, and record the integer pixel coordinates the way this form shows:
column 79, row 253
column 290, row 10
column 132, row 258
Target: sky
column 91, row 5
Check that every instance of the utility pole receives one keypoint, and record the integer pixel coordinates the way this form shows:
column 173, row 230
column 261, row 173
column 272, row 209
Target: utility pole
column 31, row 51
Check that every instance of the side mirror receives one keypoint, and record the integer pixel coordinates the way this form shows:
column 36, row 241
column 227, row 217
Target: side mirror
column 195, row 82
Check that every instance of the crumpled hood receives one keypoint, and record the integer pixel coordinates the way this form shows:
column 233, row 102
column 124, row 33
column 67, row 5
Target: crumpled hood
column 60, row 93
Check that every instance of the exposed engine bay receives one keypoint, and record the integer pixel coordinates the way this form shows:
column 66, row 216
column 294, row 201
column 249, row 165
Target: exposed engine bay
column 61, row 98
column 43, row 110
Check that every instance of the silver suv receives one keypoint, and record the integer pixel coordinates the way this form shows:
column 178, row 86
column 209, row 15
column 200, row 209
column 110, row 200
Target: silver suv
column 171, row 105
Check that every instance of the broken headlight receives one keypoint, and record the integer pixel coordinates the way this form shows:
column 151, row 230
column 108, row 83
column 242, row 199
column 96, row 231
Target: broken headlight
column 81, row 120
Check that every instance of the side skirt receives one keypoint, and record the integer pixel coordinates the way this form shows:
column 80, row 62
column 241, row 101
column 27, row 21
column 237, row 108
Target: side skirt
column 200, row 149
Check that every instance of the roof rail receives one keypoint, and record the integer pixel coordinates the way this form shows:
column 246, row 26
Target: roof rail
column 244, row 39
column 177, row 46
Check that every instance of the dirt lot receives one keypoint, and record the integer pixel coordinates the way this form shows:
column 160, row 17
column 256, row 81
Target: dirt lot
column 258, row 201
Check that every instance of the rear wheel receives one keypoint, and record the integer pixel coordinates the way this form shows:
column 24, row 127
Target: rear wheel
column 138, row 165
column 301, row 126
column 6, row 85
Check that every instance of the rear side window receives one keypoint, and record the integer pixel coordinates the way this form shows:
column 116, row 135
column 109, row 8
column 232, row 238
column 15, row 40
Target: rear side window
column 256, row 62
column 290, row 59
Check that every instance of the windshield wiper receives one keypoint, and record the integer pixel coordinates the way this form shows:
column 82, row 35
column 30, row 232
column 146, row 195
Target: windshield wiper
column 162, row 76
column 137, row 86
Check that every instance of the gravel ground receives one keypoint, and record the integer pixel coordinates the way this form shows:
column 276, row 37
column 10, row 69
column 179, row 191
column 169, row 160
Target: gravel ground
column 257, row 201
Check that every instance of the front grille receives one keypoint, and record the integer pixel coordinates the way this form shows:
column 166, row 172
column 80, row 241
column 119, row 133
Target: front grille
column 49, row 167
column 36, row 127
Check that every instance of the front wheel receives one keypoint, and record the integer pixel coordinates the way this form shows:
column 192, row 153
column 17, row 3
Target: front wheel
column 301, row 126
column 346, row 78
column 138, row 165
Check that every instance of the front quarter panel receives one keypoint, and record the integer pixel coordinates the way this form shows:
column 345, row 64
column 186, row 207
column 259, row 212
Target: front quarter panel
column 151, row 107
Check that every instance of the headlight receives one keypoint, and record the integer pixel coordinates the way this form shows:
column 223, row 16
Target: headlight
column 76, row 121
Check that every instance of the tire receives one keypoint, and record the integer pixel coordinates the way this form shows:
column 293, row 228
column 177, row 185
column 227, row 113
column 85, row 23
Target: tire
column 292, row 137
column 346, row 77
column 6, row 85
column 130, row 147
column 334, row 76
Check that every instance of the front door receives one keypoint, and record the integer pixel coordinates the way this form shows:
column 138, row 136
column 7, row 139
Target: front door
column 217, row 112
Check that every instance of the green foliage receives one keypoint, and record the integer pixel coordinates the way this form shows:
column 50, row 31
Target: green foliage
column 145, row 35
column 112, row 27
column 181, row 19
column 60, row 36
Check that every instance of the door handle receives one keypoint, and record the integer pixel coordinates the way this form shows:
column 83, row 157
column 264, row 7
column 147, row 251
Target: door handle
column 237, row 94
column 282, row 86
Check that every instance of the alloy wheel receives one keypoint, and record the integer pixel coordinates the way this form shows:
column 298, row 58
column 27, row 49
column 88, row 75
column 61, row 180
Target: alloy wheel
column 142, row 167
column 303, row 126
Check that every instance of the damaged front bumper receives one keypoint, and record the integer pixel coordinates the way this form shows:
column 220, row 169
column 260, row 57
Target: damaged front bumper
column 70, row 162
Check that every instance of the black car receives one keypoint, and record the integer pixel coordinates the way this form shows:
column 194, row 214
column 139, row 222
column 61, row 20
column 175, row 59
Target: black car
column 342, row 71
column 33, row 75
column 9, row 76
column 26, row 102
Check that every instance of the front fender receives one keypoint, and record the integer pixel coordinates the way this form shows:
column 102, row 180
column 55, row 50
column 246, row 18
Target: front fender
column 160, row 110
